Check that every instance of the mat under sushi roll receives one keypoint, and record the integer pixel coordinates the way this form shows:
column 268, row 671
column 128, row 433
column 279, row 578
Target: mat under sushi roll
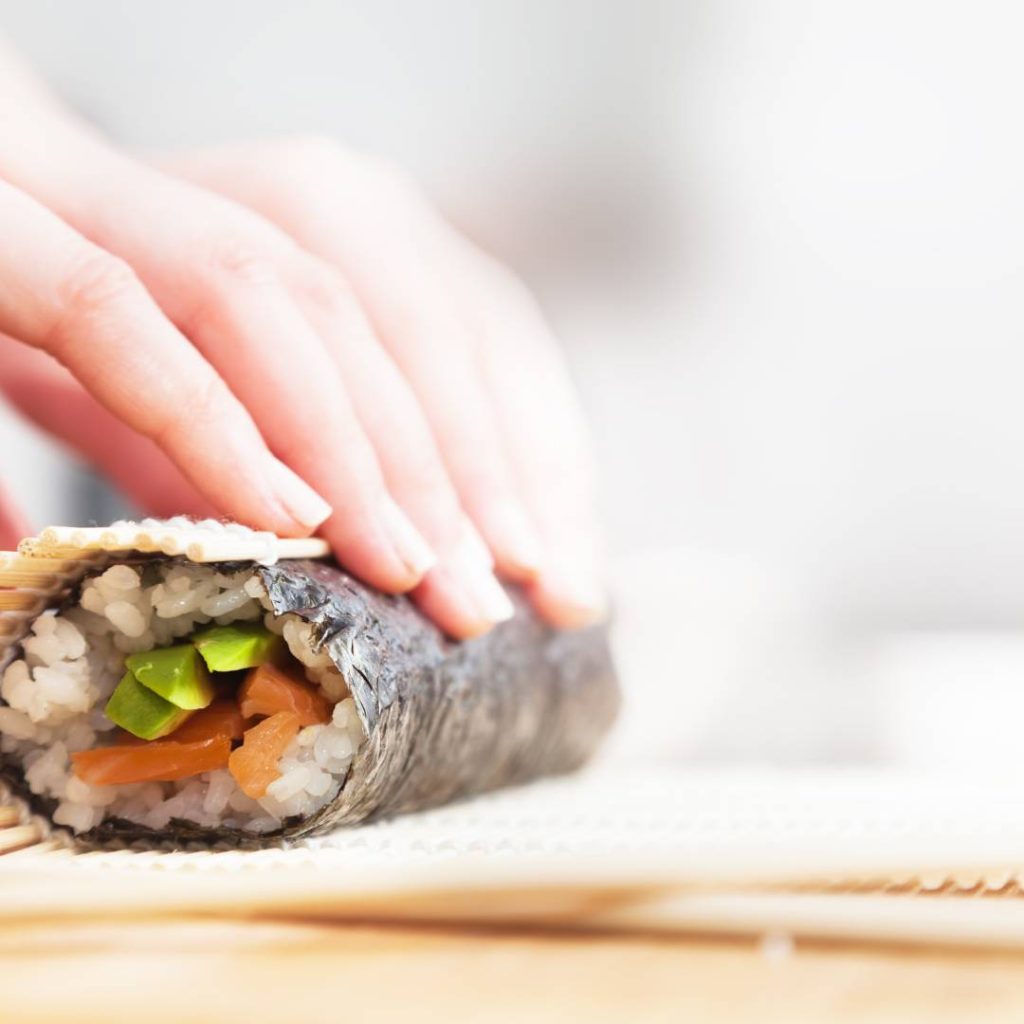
column 173, row 682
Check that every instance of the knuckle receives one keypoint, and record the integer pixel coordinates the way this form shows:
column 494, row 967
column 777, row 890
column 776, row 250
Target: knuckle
column 210, row 401
column 239, row 259
column 201, row 414
column 326, row 288
column 230, row 267
column 94, row 288
column 97, row 282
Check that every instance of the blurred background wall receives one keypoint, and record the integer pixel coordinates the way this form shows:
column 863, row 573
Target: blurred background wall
column 782, row 242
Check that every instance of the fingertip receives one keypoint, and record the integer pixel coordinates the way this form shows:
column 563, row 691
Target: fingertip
column 380, row 545
column 513, row 540
column 410, row 545
column 301, row 504
column 464, row 601
column 448, row 609
column 569, row 601
column 367, row 554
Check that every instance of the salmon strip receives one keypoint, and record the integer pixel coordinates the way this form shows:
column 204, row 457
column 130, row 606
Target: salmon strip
column 222, row 718
column 267, row 690
column 157, row 761
column 254, row 763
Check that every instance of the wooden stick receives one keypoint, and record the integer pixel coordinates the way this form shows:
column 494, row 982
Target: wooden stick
column 67, row 547
column 303, row 547
column 13, row 561
column 18, row 837
column 19, row 601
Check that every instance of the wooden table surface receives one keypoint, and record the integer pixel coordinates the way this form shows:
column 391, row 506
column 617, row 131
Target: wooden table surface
column 266, row 971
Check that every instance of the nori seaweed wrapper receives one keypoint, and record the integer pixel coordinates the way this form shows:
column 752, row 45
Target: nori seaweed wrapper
column 443, row 719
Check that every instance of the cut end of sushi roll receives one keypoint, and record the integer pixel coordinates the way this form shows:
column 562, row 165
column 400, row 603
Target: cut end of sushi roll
column 175, row 682
column 133, row 700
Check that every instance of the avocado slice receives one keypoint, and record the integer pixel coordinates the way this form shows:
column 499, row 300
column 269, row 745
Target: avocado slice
column 175, row 673
column 246, row 645
column 141, row 712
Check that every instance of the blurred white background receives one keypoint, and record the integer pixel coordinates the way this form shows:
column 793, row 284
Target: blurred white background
column 782, row 242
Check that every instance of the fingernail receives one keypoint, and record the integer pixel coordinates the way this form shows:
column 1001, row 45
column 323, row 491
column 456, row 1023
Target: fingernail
column 481, row 586
column 514, row 538
column 490, row 596
column 411, row 547
column 471, row 547
column 300, row 501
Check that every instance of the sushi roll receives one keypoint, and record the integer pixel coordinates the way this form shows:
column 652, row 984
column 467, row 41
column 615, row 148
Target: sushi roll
column 171, row 683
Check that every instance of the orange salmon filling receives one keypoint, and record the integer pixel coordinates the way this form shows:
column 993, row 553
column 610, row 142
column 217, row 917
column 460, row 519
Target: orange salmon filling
column 156, row 761
column 254, row 763
column 267, row 690
column 203, row 742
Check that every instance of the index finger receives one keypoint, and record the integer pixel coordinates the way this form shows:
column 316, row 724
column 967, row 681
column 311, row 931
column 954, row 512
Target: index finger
column 43, row 391
column 66, row 296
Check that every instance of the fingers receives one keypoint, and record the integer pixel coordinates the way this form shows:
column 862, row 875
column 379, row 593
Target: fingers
column 42, row 390
column 13, row 525
column 367, row 232
column 493, row 384
column 220, row 272
column 478, row 358
column 542, row 428
column 67, row 297
column 418, row 323
column 461, row 593
column 251, row 329
column 213, row 268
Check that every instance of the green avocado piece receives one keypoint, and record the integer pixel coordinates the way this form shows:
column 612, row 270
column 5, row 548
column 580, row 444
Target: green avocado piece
column 141, row 712
column 246, row 645
column 175, row 673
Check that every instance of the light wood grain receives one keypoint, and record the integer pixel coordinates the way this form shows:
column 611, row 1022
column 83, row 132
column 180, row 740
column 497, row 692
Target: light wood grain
column 261, row 971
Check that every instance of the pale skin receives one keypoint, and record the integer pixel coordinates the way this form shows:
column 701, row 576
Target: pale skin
column 366, row 373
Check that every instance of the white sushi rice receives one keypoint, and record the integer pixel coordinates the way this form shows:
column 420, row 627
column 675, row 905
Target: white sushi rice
column 55, row 695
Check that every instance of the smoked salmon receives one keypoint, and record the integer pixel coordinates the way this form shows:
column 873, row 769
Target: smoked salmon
column 156, row 761
column 222, row 718
column 267, row 690
column 254, row 763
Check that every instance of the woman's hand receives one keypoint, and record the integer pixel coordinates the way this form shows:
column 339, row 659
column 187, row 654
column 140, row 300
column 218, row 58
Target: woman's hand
column 473, row 354
column 289, row 336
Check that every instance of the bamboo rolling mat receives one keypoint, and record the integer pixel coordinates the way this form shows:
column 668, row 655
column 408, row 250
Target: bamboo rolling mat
column 871, row 856
column 47, row 566
column 867, row 855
